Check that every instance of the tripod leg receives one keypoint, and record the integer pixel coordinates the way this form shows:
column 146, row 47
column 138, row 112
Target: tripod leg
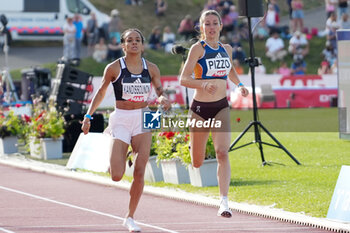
column 279, row 144
column 187, row 101
column 240, row 136
column 258, row 140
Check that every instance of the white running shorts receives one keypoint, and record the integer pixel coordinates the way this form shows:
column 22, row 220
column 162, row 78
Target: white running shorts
column 124, row 124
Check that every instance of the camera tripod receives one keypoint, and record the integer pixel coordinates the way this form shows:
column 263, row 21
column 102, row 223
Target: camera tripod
column 6, row 76
column 253, row 62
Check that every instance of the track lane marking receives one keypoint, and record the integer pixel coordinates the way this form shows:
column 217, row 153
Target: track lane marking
column 80, row 208
column 6, row 231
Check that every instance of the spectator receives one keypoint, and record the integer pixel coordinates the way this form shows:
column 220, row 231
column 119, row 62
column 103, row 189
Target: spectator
column 92, row 33
column 186, row 27
column 100, row 52
column 137, row 2
column 115, row 50
column 223, row 6
column 229, row 20
column 330, row 23
column 298, row 44
column 298, row 15
column 298, row 65
column 330, row 7
column 324, row 68
column 1, row 88
column 154, row 41
column 78, row 36
column 271, row 18
column 161, row 7
column 69, row 39
column 103, row 31
column 290, row 9
column 114, row 26
column 284, row 69
column 261, row 32
column 329, row 53
column 237, row 50
column 211, row 5
column 275, row 47
column 168, row 39
column 342, row 8
column 334, row 67
column 332, row 35
column 345, row 22
column 277, row 9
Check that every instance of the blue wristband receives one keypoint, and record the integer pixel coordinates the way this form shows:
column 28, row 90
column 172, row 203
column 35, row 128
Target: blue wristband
column 240, row 85
column 88, row 116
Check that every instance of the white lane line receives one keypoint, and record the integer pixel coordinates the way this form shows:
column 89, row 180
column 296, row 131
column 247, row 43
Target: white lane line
column 82, row 208
column 249, row 230
column 7, row 231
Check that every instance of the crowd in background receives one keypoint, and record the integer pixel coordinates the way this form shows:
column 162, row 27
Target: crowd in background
column 103, row 42
column 280, row 40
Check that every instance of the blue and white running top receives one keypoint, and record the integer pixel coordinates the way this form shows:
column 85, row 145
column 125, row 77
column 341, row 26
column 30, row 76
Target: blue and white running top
column 215, row 63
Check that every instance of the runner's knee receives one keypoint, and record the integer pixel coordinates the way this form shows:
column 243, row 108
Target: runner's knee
column 116, row 176
column 139, row 174
column 196, row 162
column 221, row 154
column 197, row 159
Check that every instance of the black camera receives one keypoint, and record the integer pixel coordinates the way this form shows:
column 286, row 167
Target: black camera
column 4, row 22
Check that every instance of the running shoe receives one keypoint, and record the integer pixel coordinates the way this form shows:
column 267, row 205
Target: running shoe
column 131, row 225
column 224, row 210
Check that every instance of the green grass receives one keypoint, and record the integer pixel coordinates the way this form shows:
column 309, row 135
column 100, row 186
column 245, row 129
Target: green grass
column 289, row 120
column 62, row 161
column 307, row 188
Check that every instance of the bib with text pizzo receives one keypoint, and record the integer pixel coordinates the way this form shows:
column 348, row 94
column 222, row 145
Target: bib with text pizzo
column 215, row 63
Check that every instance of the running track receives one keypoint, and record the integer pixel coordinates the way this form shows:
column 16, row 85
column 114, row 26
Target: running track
column 34, row 202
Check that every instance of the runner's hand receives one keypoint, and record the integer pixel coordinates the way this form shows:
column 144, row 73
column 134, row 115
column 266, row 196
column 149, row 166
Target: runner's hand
column 85, row 125
column 164, row 102
column 244, row 91
column 211, row 88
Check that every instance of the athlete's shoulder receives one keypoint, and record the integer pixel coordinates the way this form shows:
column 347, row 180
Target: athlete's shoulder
column 150, row 64
column 114, row 64
column 113, row 69
column 227, row 46
column 152, row 67
column 197, row 45
column 197, row 48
